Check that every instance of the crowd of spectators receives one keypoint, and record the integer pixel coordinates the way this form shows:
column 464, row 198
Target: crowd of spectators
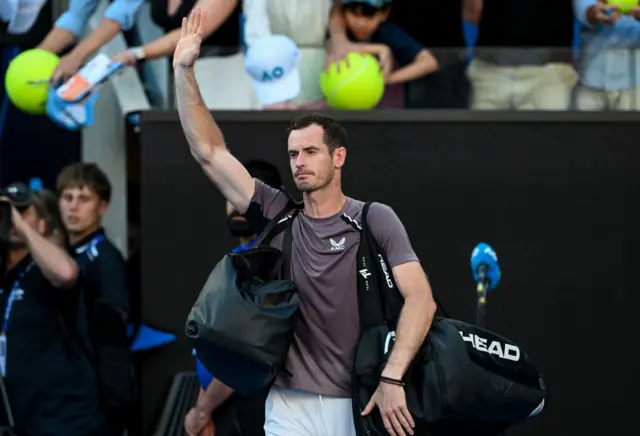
column 480, row 54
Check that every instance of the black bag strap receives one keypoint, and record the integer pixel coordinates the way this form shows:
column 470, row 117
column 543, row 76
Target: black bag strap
column 370, row 302
column 376, row 282
column 287, row 244
column 278, row 223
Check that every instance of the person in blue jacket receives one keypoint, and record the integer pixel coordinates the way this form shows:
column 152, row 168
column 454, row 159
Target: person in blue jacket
column 119, row 16
column 232, row 414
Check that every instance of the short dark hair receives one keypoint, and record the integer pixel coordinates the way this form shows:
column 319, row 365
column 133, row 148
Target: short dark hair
column 335, row 135
column 265, row 172
column 81, row 174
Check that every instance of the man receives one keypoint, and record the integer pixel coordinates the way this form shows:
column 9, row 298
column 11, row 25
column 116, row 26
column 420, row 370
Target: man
column 50, row 383
column 84, row 194
column 316, row 399
column 609, row 65
column 245, row 417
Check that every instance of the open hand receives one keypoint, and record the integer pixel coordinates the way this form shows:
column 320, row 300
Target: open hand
column 390, row 400
column 188, row 47
column 338, row 49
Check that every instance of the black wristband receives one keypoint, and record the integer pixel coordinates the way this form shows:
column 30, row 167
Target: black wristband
column 391, row 381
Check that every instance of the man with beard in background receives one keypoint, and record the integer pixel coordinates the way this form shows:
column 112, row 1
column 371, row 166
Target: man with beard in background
column 238, row 416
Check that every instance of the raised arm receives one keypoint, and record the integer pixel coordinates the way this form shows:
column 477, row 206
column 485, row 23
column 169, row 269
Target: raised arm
column 203, row 134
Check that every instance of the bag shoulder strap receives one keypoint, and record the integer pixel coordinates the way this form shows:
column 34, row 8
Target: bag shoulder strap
column 369, row 299
column 278, row 223
column 386, row 290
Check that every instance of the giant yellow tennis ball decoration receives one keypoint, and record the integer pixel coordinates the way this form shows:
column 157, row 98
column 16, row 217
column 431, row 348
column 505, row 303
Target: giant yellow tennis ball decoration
column 624, row 5
column 27, row 79
column 358, row 87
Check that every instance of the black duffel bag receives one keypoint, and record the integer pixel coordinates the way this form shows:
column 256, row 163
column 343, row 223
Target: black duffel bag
column 464, row 380
column 242, row 323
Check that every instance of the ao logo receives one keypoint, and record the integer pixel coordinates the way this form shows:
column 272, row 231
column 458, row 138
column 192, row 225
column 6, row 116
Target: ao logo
column 503, row 351
column 275, row 74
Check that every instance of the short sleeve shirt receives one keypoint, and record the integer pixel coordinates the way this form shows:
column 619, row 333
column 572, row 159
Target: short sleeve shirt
column 323, row 266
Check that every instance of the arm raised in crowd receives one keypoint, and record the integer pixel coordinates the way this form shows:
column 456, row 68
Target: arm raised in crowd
column 339, row 45
column 120, row 15
column 203, row 134
column 218, row 11
column 56, row 265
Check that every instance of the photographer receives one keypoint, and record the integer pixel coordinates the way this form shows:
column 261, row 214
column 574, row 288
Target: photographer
column 50, row 382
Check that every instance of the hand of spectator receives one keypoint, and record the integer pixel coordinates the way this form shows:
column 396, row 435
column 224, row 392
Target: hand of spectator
column 338, row 49
column 126, row 57
column 602, row 13
column 385, row 59
column 67, row 67
column 188, row 47
column 635, row 13
column 197, row 423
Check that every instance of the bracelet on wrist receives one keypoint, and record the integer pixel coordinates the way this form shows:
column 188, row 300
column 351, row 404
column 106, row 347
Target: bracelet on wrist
column 391, row 381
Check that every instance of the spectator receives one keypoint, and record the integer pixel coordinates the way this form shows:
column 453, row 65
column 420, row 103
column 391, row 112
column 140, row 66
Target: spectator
column 120, row 15
column 306, row 23
column 272, row 63
column 51, row 386
column 523, row 55
column 221, row 55
column 239, row 416
column 366, row 22
column 433, row 24
column 85, row 192
column 609, row 65
column 222, row 28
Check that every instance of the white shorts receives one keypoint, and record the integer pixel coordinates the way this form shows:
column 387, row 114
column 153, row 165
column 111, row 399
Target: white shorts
column 297, row 413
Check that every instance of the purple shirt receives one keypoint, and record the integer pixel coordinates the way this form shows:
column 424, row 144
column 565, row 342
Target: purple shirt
column 323, row 266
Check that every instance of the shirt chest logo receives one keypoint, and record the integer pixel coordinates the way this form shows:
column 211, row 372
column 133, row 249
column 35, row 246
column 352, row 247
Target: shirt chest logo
column 337, row 245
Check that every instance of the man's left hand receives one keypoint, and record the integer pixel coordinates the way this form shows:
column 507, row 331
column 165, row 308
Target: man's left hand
column 392, row 403
column 67, row 67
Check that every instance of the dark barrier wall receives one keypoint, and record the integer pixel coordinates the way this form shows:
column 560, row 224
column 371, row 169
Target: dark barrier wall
column 555, row 194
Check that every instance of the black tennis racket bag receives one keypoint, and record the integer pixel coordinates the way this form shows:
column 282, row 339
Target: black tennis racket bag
column 242, row 324
column 464, row 380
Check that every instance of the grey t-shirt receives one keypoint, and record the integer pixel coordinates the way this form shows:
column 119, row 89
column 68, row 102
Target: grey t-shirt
column 323, row 266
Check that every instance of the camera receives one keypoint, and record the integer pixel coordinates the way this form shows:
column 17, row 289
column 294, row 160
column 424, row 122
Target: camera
column 21, row 197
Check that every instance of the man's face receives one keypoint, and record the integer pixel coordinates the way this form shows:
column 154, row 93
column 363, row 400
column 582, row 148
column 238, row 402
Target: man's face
column 81, row 209
column 30, row 216
column 312, row 165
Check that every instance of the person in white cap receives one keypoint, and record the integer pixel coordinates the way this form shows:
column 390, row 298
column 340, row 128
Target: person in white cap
column 272, row 63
